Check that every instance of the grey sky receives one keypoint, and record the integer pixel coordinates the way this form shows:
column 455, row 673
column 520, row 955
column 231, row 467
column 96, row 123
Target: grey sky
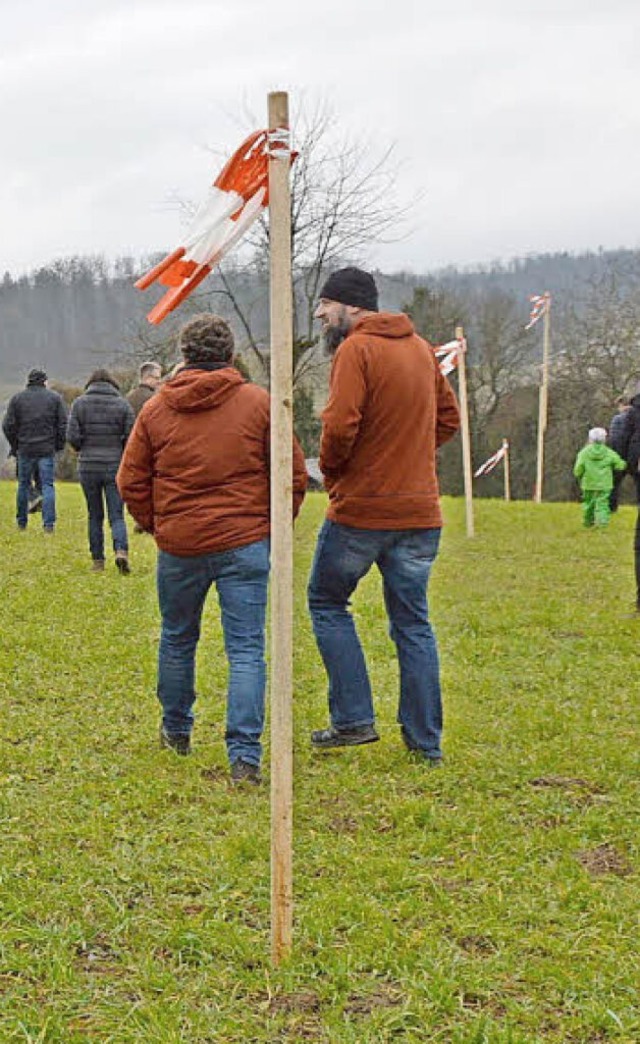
column 516, row 122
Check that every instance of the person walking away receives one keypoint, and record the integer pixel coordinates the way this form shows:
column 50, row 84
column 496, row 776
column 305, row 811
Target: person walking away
column 594, row 468
column 99, row 426
column 195, row 473
column 632, row 454
column 389, row 409
column 35, row 425
column 150, row 380
column 618, row 439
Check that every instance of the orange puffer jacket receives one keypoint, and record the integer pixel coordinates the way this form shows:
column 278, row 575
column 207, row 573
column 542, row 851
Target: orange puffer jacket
column 195, row 471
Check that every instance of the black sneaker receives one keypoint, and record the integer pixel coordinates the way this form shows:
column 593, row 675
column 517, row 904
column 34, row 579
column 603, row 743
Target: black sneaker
column 245, row 772
column 178, row 742
column 323, row 739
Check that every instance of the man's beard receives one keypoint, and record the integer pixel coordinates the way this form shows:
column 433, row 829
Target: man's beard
column 334, row 335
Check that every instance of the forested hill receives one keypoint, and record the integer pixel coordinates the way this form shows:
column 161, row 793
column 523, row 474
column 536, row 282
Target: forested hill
column 81, row 312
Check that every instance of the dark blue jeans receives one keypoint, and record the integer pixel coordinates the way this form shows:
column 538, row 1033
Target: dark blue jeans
column 45, row 467
column 241, row 577
column 99, row 487
column 404, row 557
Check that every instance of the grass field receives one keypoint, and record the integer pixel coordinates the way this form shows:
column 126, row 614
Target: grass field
column 493, row 901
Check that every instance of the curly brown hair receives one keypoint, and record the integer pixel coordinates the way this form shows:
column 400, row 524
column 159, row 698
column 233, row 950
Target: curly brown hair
column 206, row 338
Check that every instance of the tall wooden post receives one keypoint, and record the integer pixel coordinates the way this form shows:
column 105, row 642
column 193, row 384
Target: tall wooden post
column 281, row 531
column 507, row 471
column 543, row 401
column 466, row 439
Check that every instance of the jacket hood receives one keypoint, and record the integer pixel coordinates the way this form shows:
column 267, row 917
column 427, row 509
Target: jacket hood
column 598, row 449
column 192, row 391
column 385, row 324
column 102, row 388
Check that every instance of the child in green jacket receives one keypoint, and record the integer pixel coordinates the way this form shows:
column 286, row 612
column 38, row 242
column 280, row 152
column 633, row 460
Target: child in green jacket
column 594, row 469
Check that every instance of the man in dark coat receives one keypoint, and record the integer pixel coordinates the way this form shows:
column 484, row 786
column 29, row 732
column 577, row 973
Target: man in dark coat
column 617, row 440
column 632, row 456
column 99, row 426
column 35, row 425
column 150, row 380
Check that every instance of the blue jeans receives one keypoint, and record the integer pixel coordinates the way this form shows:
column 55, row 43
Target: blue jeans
column 404, row 557
column 45, row 467
column 241, row 577
column 100, row 486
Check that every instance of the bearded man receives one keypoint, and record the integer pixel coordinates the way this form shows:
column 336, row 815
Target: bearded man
column 388, row 411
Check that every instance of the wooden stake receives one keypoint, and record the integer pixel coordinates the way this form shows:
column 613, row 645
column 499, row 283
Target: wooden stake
column 466, row 440
column 507, row 472
column 281, row 539
column 542, row 403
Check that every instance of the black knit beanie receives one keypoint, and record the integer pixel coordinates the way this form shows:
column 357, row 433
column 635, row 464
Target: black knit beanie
column 206, row 339
column 36, row 377
column 352, row 286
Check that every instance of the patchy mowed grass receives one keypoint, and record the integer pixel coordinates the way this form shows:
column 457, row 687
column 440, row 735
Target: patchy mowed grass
column 495, row 901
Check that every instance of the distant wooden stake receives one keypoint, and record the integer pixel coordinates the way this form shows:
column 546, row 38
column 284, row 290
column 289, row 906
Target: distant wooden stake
column 543, row 402
column 281, row 539
column 466, row 440
column 507, row 472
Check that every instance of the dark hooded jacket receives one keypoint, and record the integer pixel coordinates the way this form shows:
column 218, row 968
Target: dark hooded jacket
column 630, row 449
column 389, row 409
column 99, row 426
column 35, row 423
column 195, row 471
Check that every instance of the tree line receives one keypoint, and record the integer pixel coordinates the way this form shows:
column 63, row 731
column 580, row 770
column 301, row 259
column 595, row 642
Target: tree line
column 81, row 312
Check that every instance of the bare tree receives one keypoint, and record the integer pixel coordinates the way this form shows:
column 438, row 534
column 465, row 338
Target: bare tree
column 343, row 201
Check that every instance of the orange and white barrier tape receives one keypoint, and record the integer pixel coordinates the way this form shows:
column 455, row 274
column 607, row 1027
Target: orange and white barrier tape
column 449, row 356
column 492, row 461
column 235, row 200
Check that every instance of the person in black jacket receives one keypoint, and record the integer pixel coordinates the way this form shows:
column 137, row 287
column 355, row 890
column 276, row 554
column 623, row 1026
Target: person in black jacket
column 632, row 456
column 35, row 425
column 99, row 426
column 618, row 439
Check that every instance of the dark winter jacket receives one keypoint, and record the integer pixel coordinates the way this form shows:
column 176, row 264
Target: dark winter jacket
column 618, row 436
column 139, row 396
column 99, row 425
column 632, row 429
column 35, row 423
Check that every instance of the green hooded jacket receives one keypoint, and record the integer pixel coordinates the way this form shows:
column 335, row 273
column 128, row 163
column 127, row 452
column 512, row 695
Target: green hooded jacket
column 595, row 465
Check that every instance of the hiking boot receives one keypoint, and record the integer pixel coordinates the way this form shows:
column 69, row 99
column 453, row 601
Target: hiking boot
column 323, row 739
column 97, row 566
column 434, row 760
column 245, row 772
column 178, row 742
column 122, row 563
column 35, row 505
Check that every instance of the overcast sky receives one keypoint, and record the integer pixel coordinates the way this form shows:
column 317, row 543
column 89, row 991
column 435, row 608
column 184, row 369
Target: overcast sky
column 516, row 123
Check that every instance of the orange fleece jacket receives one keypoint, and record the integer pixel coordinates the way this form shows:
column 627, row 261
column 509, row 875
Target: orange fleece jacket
column 195, row 471
column 389, row 409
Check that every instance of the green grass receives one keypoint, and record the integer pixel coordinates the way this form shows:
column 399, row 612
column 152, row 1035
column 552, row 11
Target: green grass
column 494, row 902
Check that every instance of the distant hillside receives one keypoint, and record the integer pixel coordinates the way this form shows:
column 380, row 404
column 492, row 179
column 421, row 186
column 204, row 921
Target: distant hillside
column 81, row 312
